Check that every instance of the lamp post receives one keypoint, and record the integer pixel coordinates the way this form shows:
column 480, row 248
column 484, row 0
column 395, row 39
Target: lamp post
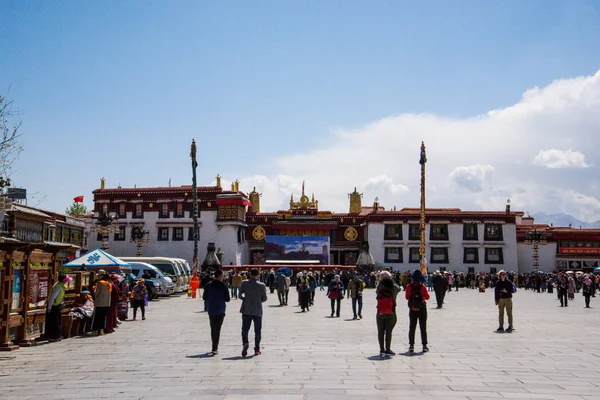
column 104, row 226
column 139, row 237
column 535, row 239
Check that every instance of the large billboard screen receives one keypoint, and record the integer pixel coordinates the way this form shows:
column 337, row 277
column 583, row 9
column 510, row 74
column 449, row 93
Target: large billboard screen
column 297, row 249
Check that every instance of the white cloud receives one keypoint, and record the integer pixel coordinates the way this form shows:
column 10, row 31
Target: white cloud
column 384, row 183
column 472, row 177
column 553, row 158
column 383, row 157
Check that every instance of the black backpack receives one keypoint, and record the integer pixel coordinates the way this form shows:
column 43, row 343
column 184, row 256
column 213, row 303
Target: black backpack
column 415, row 301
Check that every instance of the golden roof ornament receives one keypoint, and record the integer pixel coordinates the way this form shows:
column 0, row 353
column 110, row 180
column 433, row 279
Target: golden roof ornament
column 254, row 198
column 305, row 203
column 355, row 201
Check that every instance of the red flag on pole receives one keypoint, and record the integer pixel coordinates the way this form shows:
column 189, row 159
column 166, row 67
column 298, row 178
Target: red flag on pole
column 78, row 199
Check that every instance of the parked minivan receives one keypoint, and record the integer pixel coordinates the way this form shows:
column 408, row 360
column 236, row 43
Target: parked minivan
column 140, row 268
column 185, row 269
column 167, row 265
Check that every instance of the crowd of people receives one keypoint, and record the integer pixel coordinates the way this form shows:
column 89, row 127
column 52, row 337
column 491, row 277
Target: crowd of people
column 98, row 309
column 252, row 287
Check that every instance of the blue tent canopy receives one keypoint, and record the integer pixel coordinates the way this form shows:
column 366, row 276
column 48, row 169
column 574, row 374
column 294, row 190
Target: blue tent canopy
column 97, row 258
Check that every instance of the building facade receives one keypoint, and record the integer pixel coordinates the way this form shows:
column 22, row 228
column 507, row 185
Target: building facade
column 456, row 240
column 559, row 248
column 31, row 225
column 166, row 215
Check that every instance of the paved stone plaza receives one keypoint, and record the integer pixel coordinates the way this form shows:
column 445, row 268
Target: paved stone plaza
column 553, row 354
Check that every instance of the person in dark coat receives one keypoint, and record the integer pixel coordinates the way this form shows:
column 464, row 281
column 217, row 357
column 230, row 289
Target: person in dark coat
column 503, row 295
column 439, row 287
column 216, row 294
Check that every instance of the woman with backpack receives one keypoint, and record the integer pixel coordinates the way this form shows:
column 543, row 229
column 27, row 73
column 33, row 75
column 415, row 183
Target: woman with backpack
column 417, row 294
column 386, row 312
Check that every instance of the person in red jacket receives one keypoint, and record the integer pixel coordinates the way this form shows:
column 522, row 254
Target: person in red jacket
column 417, row 294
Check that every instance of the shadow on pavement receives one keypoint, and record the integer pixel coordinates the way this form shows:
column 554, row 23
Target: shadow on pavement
column 379, row 358
column 236, row 358
column 411, row 354
column 205, row 355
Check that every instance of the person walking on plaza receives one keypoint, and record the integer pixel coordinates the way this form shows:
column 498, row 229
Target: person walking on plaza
column 280, row 285
column 335, row 292
column 587, row 289
column 53, row 312
column 562, row 286
column 111, row 315
column 503, row 296
column 139, row 291
column 312, row 283
column 571, row 287
column 439, row 288
column 216, row 294
column 253, row 294
column 194, row 285
column 355, row 288
column 102, row 292
column 303, row 284
column 288, row 283
column 236, row 282
column 387, row 291
column 417, row 295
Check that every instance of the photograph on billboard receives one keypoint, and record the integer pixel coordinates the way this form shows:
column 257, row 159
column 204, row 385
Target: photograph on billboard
column 297, row 249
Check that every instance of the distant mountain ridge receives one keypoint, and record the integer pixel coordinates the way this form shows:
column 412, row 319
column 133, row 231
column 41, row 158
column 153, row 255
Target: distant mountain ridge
column 562, row 220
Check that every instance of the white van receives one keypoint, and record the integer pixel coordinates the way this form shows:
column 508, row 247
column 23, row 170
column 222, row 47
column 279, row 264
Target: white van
column 185, row 270
column 140, row 268
column 167, row 265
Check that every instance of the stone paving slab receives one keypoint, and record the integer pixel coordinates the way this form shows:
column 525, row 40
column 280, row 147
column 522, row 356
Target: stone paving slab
column 553, row 354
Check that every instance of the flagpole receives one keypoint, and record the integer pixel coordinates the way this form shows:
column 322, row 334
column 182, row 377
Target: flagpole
column 423, row 161
column 195, row 204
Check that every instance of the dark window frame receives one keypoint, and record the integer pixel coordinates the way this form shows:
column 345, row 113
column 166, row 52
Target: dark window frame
column 446, row 257
column 386, row 234
column 476, row 261
column 163, row 237
column 176, row 214
column 120, row 236
column 501, row 258
column 412, row 250
column 134, row 213
column 387, row 259
column 498, row 238
column 476, row 231
column 411, row 231
column 124, row 213
column 177, row 238
column 161, row 213
column 444, row 236
column 191, row 234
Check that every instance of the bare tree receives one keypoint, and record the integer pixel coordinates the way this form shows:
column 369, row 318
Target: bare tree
column 10, row 146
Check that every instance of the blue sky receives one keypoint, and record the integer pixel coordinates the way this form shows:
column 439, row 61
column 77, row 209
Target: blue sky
column 119, row 88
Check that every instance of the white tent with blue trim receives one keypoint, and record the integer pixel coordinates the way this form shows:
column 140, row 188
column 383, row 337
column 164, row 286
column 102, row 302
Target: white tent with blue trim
column 97, row 258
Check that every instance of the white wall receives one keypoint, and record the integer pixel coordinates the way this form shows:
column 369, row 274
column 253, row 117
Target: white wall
column 547, row 257
column 455, row 245
column 179, row 249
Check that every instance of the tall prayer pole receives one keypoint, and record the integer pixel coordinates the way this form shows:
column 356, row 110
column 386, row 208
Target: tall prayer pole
column 423, row 161
column 195, row 204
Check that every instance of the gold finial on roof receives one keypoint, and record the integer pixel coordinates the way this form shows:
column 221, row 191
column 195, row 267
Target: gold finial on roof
column 102, row 183
column 218, row 180
column 355, row 201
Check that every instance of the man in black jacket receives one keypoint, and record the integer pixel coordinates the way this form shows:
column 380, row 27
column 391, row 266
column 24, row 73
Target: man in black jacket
column 215, row 295
column 503, row 296
column 439, row 286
